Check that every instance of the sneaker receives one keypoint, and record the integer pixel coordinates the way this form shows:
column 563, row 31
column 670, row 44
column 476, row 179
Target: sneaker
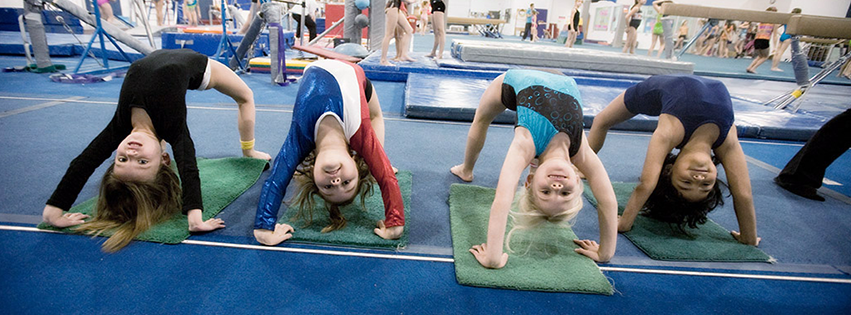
column 800, row 190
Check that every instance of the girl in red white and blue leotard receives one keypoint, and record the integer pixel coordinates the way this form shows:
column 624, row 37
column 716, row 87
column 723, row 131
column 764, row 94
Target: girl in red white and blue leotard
column 337, row 89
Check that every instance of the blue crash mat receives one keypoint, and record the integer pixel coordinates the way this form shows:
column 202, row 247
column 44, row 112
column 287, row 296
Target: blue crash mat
column 432, row 96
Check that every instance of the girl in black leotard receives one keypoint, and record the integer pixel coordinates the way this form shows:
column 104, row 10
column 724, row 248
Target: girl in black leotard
column 634, row 18
column 139, row 189
column 438, row 16
column 573, row 28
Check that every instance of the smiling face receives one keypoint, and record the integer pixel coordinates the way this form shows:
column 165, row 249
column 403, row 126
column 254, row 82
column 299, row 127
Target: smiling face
column 138, row 158
column 555, row 186
column 336, row 176
column 694, row 176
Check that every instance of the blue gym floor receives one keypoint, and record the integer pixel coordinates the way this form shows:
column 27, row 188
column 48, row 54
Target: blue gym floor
column 45, row 124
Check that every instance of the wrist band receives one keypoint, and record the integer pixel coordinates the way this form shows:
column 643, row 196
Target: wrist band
column 247, row 145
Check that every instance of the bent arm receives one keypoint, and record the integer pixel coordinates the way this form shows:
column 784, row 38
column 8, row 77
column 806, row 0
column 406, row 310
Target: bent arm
column 660, row 146
column 607, row 204
column 518, row 157
column 366, row 143
column 82, row 167
column 292, row 153
column 224, row 80
column 735, row 166
column 187, row 167
column 376, row 118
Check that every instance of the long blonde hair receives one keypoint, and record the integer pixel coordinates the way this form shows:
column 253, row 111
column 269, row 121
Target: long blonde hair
column 130, row 208
column 529, row 216
column 307, row 190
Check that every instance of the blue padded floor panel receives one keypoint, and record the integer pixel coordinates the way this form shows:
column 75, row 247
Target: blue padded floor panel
column 433, row 96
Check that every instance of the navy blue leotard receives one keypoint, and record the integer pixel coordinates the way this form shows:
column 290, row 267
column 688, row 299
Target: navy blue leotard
column 693, row 100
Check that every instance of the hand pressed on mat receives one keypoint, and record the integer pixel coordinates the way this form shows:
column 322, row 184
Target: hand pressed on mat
column 53, row 216
column 282, row 233
column 480, row 252
column 388, row 233
column 197, row 223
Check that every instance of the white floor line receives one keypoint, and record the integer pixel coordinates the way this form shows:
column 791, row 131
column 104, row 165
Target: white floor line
column 726, row 275
column 451, row 260
column 50, row 103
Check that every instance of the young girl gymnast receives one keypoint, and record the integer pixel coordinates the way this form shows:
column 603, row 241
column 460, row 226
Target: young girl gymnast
column 139, row 189
column 336, row 112
column 695, row 116
column 549, row 128
column 395, row 21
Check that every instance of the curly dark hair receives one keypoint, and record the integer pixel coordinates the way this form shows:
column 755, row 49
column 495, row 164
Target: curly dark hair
column 666, row 204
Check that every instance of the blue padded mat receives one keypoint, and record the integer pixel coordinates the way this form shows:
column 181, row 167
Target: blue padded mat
column 432, row 96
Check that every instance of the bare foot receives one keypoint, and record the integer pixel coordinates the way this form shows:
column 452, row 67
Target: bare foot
column 458, row 170
column 386, row 63
column 431, row 55
column 408, row 58
column 777, row 69
column 438, row 57
column 750, row 71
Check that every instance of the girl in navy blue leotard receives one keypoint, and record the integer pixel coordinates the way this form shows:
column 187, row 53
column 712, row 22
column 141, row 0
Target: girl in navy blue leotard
column 549, row 129
column 335, row 111
column 695, row 116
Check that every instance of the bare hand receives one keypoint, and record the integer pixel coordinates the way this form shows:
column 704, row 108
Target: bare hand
column 206, row 226
column 589, row 248
column 480, row 252
column 738, row 237
column 388, row 233
column 257, row 154
column 69, row 219
column 55, row 217
column 282, row 233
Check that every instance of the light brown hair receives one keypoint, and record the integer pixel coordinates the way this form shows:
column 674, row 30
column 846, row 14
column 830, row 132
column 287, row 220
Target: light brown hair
column 307, row 191
column 129, row 208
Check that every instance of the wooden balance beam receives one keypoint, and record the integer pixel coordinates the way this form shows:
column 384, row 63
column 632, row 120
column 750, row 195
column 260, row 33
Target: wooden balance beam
column 325, row 53
column 472, row 21
column 821, row 26
column 725, row 14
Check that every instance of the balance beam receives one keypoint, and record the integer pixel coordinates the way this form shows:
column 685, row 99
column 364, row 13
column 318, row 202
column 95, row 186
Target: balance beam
column 821, row 26
column 725, row 14
column 472, row 21
column 325, row 53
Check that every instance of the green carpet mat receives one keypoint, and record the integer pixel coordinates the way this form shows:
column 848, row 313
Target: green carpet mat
column 222, row 181
column 664, row 241
column 550, row 264
column 358, row 230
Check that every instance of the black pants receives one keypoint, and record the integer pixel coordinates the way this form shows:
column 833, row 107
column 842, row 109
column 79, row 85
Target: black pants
column 829, row 143
column 308, row 21
column 528, row 31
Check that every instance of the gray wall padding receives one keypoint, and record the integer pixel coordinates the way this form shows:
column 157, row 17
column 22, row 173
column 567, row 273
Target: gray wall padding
column 560, row 57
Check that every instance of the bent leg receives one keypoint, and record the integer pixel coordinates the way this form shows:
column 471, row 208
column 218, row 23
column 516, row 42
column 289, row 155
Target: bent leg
column 389, row 31
column 407, row 36
column 613, row 114
column 808, row 166
column 490, row 106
